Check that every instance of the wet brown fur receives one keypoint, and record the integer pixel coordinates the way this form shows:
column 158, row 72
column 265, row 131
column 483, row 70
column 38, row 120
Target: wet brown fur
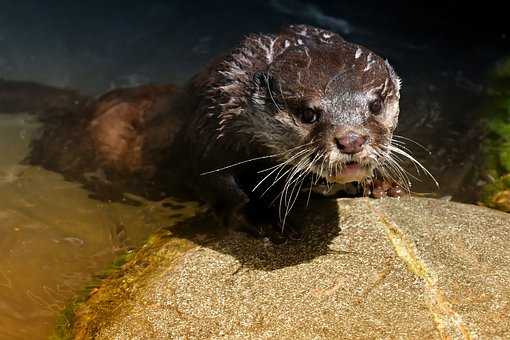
column 225, row 114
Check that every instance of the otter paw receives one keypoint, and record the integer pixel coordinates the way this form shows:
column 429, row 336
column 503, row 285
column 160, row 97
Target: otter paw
column 381, row 188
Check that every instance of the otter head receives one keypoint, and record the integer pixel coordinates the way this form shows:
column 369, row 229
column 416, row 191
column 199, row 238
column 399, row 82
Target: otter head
column 330, row 104
column 311, row 99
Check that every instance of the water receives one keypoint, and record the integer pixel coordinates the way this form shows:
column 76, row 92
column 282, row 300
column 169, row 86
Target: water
column 53, row 236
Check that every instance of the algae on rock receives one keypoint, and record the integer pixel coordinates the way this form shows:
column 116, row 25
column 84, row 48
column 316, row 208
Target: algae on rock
column 496, row 146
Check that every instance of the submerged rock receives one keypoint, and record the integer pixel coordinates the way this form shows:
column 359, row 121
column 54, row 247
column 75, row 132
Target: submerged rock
column 410, row 268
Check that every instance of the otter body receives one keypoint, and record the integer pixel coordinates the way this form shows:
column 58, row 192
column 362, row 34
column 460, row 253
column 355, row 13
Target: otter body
column 280, row 113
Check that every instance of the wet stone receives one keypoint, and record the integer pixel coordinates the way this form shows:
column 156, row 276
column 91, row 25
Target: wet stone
column 411, row 268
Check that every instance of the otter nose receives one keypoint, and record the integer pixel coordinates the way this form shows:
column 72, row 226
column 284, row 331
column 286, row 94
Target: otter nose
column 350, row 143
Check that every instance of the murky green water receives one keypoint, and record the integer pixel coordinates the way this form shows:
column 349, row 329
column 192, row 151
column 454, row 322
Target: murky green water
column 53, row 236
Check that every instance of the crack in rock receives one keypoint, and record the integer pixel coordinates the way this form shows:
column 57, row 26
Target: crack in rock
column 448, row 322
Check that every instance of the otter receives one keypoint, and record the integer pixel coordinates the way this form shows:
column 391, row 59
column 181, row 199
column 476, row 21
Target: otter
column 279, row 115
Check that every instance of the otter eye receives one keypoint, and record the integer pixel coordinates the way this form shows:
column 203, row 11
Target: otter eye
column 310, row 116
column 375, row 106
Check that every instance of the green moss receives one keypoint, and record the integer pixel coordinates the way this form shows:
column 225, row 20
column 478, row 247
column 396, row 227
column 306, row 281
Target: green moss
column 496, row 146
column 65, row 320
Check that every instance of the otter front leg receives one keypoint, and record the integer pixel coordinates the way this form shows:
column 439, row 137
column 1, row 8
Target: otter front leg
column 225, row 196
column 235, row 208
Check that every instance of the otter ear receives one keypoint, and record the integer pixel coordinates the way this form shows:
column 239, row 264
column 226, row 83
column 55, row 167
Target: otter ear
column 397, row 82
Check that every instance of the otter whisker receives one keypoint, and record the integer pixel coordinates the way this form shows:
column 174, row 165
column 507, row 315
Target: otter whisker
column 275, row 168
column 284, row 194
column 414, row 142
column 315, row 179
column 302, row 176
column 405, row 185
column 295, row 171
column 309, row 193
column 396, row 169
column 336, row 170
column 390, row 165
column 298, row 169
column 298, row 183
column 239, row 163
column 288, row 151
column 288, row 173
column 251, row 160
column 327, row 170
column 398, row 159
column 363, row 183
column 411, row 158
column 402, row 181
column 280, row 168
column 400, row 144
column 289, row 207
column 330, row 172
column 321, row 168
column 395, row 162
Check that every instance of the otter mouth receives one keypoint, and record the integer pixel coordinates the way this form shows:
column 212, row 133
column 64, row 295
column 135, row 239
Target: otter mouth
column 349, row 172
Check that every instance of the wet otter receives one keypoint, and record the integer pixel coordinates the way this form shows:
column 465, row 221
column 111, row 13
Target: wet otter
column 280, row 113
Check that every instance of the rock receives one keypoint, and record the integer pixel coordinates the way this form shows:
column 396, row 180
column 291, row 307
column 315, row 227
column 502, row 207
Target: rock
column 412, row 268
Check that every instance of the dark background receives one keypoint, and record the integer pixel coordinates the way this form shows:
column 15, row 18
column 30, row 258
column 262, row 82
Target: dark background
column 96, row 45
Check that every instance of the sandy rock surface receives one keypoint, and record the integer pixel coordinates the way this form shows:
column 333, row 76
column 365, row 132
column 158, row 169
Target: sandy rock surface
column 412, row 268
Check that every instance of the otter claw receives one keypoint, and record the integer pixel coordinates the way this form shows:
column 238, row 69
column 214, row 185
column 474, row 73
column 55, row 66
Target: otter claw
column 395, row 191
column 382, row 188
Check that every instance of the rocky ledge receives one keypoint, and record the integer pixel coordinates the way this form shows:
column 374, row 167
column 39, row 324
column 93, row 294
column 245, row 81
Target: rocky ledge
column 412, row 268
